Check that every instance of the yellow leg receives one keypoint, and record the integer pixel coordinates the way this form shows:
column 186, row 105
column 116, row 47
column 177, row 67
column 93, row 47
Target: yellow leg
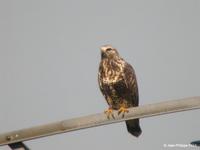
column 123, row 110
column 109, row 112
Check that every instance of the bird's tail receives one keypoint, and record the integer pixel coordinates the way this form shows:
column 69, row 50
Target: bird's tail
column 133, row 127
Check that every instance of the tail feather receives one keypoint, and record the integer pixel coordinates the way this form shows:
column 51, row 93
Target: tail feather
column 133, row 127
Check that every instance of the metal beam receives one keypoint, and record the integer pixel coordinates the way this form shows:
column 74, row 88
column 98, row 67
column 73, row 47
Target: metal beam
column 18, row 146
column 98, row 120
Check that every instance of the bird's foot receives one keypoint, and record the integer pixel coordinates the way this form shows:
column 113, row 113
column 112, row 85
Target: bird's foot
column 109, row 113
column 123, row 110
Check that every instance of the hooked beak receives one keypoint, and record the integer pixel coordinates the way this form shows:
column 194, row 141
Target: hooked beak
column 103, row 49
column 103, row 52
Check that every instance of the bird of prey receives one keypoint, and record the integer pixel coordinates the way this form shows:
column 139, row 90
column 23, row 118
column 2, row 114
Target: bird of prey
column 117, row 82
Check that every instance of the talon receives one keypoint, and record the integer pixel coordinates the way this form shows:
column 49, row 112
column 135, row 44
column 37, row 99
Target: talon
column 109, row 112
column 123, row 110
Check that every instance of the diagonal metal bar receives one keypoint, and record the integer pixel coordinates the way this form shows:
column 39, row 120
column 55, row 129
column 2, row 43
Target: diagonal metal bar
column 196, row 143
column 98, row 120
column 18, row 146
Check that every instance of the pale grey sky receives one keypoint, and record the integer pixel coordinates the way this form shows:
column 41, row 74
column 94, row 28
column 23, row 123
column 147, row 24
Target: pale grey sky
column 49, row 57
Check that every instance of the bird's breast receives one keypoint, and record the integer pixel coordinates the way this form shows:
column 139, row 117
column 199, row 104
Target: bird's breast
column 112, row 72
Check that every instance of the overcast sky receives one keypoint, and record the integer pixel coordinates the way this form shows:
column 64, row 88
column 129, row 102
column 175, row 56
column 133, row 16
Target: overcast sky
column 49, row 58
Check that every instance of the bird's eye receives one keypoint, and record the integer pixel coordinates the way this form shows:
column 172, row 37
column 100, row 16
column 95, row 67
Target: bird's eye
column 108, row 49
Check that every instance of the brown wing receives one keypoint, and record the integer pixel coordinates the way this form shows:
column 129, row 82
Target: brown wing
column 131, row 84
column 133, row 126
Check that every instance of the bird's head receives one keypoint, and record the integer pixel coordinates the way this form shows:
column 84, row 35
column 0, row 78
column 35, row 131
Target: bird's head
column 107, row 51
